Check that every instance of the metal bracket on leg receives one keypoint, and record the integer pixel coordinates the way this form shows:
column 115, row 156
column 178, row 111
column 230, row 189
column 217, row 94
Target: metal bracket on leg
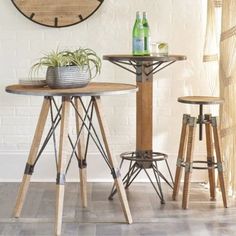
column 115, row 173
column 29, row 169
column 82, row 164
column 179, row 162
column 61, row 179
column 214, row 121
column 139, row 71
column 185, row 118
column 188, row 167
column 220, row 166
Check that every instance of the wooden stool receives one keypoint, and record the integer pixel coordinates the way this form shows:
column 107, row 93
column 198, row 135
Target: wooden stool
column 187, row 145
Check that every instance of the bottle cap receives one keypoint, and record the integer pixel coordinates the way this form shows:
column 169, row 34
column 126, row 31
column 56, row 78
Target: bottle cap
column 138, row 14
column 144, row 14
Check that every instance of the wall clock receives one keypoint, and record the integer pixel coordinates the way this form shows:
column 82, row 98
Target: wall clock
column 57, row 13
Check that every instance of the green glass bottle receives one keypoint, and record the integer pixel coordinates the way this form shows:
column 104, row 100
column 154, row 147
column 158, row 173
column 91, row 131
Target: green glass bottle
column 138, row 36
column 147, row 38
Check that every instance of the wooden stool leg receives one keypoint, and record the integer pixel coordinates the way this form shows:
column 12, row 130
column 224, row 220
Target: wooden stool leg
column 219, row 160
column 32, row 157
column 189, row 160
column 180, row 158
column 112, row 160
column 210, row 156
column 81, row 155
column 62, row 161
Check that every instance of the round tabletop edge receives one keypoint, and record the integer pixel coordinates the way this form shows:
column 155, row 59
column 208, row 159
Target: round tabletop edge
column 198, row 100
column 25, row 90
column 127, row 57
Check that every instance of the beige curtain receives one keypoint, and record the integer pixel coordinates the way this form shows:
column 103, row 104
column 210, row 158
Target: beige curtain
column 228, row 90
column 211, row 47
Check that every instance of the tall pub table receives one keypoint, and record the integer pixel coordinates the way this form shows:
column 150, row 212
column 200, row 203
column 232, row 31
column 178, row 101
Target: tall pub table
column 59, row 114
column 143, row 158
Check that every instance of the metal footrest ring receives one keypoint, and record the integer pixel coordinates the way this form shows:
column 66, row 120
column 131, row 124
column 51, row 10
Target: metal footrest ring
column 146, row 156
column 210, row 165
column 141, row 161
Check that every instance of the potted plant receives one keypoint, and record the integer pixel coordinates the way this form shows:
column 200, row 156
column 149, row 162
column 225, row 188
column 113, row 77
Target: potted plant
column 69, row 69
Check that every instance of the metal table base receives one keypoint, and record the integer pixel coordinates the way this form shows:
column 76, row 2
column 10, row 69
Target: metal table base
column 144, row 161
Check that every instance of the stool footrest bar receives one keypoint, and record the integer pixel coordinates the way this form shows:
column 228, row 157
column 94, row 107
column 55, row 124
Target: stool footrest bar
column 212, row 165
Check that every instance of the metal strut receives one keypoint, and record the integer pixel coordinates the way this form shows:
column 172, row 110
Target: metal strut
column 91, row 132
column 137, row 65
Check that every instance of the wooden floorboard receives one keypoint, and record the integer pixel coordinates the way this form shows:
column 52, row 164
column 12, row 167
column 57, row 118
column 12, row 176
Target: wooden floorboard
column 105, row 218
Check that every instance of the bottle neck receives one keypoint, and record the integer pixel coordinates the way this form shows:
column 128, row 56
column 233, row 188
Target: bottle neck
column 144, row 20
column 138, row 16
column 144, row 15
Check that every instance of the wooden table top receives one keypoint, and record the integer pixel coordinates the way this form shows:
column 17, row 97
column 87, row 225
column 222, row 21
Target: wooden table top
column 93, row 89
column 127, row 57
column 201, row 100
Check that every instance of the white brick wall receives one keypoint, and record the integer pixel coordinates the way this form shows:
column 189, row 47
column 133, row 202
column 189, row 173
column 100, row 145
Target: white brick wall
column 108, row 31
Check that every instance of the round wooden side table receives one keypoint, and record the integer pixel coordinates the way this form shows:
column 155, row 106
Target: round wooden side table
column 59, row 114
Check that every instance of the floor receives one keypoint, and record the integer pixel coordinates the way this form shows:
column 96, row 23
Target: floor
column 104, row 218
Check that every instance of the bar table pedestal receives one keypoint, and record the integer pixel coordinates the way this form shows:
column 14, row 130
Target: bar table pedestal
column 143, row 158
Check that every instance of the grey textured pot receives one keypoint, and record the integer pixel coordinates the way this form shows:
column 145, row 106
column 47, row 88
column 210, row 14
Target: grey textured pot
column 67, row 77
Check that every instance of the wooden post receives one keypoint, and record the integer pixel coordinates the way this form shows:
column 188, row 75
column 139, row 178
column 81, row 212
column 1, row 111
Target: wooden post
column 112, row 160
column 62, row 162
column 144, row 98
column 32, row 157
column 81, row 154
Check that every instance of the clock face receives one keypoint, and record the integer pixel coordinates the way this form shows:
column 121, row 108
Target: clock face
column 57, row 13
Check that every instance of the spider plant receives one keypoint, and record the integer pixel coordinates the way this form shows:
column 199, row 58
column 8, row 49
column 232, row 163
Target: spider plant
column 82, row 57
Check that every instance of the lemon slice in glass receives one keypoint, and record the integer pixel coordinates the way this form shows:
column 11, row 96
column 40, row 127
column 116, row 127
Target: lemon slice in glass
column 162, row 45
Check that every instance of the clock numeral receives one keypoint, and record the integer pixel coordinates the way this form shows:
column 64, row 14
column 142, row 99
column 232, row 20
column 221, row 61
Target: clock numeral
column 100, row 1
column 56, row 22
column 32, row 15
column 81, row 17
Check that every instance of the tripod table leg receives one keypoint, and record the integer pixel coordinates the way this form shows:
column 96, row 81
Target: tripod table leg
column 62, row 162
column 81, row 155
column 112, row 160
column 32, row 157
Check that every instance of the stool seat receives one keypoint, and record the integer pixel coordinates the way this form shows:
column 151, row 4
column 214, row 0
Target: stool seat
column 200, row 100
